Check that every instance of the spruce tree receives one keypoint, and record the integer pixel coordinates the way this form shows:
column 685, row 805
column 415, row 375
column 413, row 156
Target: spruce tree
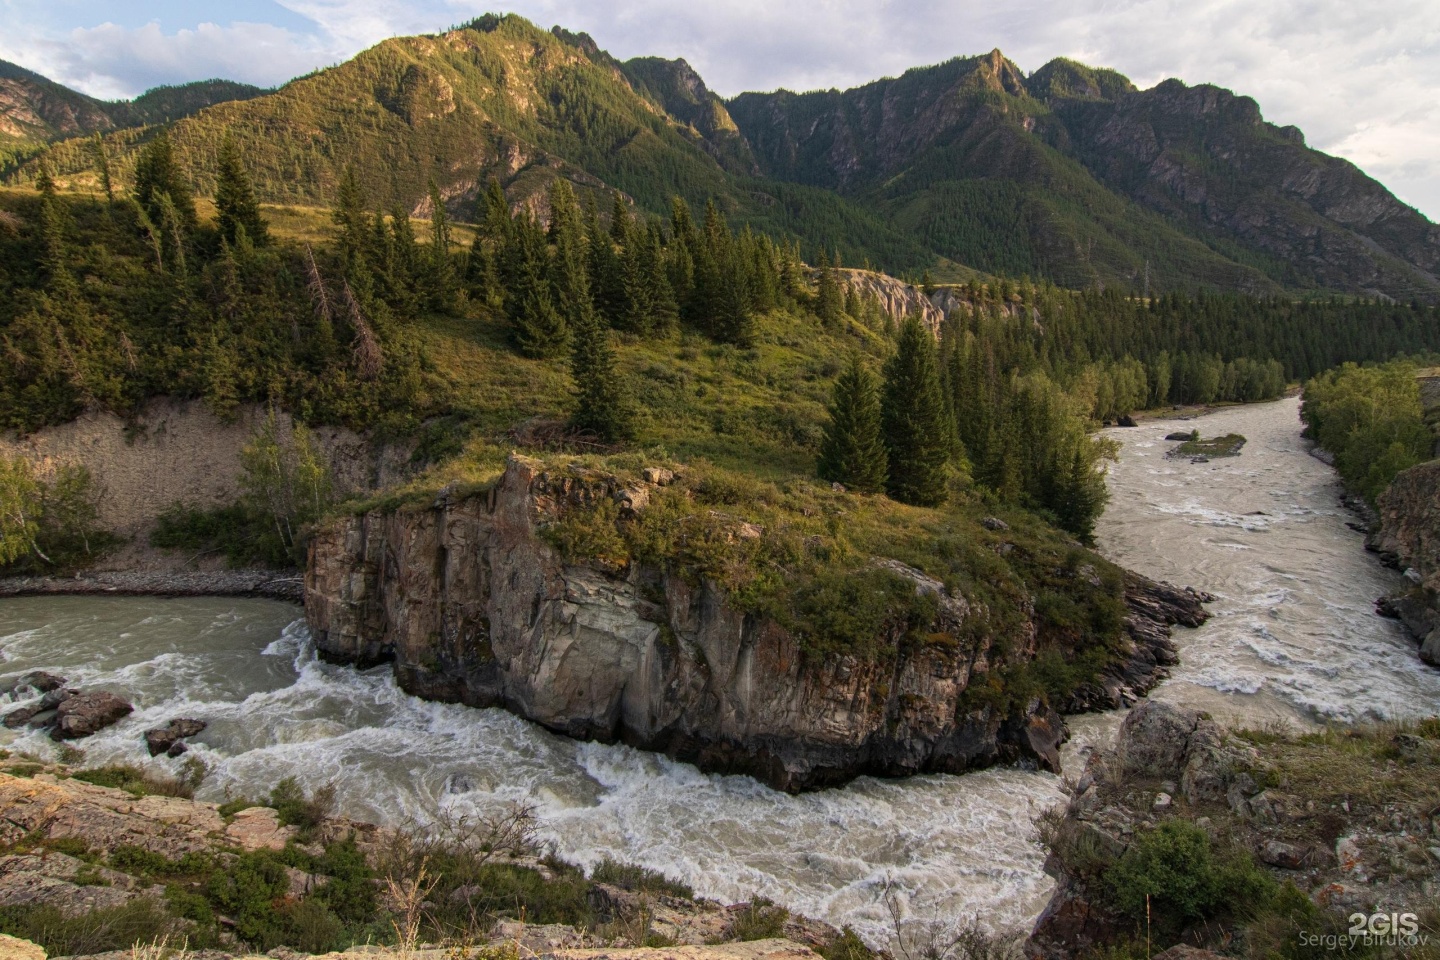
column 102, row 166
column 915, row 428
column 853, row 451
column 665, row 308
column 349, row 215
column 158, row 174
column 602, row 405
column 235, row 203
column 442, row 287
column 829, row 301
column 540, row 329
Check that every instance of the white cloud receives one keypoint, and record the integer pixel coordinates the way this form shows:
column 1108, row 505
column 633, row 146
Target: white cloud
column 1362, row 80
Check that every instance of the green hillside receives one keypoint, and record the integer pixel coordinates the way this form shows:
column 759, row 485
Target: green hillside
column 34, row 110
column 1074, row 174
column 502, row 98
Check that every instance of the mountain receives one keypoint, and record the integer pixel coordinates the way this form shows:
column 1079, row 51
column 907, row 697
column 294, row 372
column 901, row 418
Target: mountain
column 34, row 109
column 1071, row 173
column 1077, row 174
column 500, row 97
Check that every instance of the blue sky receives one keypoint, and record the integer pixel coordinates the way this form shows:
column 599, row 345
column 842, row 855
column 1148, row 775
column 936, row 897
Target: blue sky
column 1361, row 79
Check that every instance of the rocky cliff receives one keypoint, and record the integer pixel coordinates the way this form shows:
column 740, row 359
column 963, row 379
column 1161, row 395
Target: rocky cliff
column 1408, row 536
column 473, row 605
column 1293, row 831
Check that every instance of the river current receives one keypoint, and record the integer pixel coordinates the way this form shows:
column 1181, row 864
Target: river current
column 1294, row 639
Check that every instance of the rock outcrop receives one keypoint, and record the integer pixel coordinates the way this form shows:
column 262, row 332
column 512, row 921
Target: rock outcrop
column 1408, row 536
column 1258, row 797
column 474, row 606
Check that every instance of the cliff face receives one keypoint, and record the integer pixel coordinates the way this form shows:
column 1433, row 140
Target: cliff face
column 1409, row 536
column 474, row 606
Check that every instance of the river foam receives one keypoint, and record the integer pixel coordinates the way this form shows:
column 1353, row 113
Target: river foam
column 1293, row 635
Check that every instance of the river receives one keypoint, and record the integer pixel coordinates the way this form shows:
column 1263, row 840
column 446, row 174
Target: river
column 1294, row 639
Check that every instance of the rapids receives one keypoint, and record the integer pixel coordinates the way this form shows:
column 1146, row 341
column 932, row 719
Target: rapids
column 1294, row 639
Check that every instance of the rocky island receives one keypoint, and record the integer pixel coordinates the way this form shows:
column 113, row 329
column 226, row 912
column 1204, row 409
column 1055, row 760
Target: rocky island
column 473, row 604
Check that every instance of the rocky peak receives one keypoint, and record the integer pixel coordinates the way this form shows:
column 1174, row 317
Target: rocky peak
column 999, row 74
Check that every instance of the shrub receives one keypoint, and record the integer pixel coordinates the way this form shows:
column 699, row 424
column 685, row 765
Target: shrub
column 1185, row 878
column 846, row 946
column 298, row 810
column 111, row 928
column 589, row 533
column 246, row 892
column 760, row 920
column 630, row 877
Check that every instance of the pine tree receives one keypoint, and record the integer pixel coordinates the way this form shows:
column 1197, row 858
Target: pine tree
column 236, row 207
column 913, row 420
column 853, row 451
column 158, row 174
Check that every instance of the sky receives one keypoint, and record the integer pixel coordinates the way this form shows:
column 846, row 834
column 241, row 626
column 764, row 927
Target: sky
column 1361, row 79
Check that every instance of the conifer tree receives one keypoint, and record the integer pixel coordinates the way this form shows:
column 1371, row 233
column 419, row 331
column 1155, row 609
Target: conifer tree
column 158, row 174
column 637, row 308
column 829, row 301
column 569, row 277
column 102, row 166
column 540, row 329
column 853, row 451
column 664, row 306
column 913, row 420
column 606, row 282
column 53, row 254
column 236, row 207
column 602, row 405
column 45, row 180
column 349, row 215
column 441, row 290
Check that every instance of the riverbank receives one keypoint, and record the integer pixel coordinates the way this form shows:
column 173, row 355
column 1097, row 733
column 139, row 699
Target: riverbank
column 286, row 585
column 97, row 859
column 1260, row 844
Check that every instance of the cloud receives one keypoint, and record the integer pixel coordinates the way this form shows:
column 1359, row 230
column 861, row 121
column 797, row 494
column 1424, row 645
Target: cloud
column 1362, row 80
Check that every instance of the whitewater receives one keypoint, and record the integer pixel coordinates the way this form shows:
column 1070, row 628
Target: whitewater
column 1294, row 639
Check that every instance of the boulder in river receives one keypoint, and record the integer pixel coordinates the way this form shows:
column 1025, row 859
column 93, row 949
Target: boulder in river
column 37, row 681
column 168, row 739
column 87, row 713
column 46, row 705
column 1125, row 420
column 1180, row 435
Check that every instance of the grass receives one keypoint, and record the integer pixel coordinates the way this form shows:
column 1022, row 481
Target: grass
column 136, row 782
column 1226, row 446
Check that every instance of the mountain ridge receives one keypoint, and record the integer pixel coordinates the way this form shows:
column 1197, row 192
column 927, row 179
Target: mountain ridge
column 34, row 108
column 1072, row 173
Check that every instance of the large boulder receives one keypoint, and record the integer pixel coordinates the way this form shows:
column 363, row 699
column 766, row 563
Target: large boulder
column 88, row 713
column 167, row 739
